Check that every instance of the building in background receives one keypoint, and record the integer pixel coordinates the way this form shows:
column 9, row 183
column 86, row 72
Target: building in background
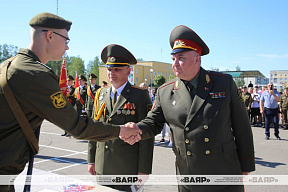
column 143, row 72
column 279, row 78
column 255, row 77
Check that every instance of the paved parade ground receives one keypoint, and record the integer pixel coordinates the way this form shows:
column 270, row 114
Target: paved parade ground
column 60, row 155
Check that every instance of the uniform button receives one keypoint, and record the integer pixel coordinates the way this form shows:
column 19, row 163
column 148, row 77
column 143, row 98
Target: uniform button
column 205, row 126
column 106, row 147
column 187, row 141
column 206, row 140
column 207, row 152
column 186, row 128
column 110, row 119
column 188, row 153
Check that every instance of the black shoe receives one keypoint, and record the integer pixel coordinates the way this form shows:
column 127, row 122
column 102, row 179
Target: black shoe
column 267, row 137
column 278, row 138
column 162, row 140
column 64, row 134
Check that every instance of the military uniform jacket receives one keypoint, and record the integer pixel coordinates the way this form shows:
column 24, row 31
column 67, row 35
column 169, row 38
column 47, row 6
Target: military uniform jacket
column 89, row 99
column 115, row 157
column 70, row 95
column 36, row 88
column 211, row 135
column 79, row 106
column 247, row 99
column 284, row 102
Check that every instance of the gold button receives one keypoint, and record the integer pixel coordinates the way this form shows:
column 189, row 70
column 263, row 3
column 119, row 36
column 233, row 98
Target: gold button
column 186, row 128
column 106, row 147
column 187, row 141
column 206, row 140
column 205, row 126
column 110, row 119
column 207, row 152
column 188, row 153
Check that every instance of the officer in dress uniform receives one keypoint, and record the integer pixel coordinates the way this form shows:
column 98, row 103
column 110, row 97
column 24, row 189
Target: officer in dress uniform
column 36, row 89
column 80, row 95
column 208, row 120
column 119, row 104
column 91, row 90
column 70, row 96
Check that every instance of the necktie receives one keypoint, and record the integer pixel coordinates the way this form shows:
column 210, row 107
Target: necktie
column 190, row 89
column 114, row 99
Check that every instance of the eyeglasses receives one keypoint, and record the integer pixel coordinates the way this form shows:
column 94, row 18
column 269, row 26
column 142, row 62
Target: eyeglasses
column 67, row 39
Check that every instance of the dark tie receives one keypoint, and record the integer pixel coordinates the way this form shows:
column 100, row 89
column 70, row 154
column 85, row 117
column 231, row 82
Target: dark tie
column 190, row 89
column 114, row 99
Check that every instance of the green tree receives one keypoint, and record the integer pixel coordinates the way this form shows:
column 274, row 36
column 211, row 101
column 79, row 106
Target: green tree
column 7, row 51
column 239, row 82
column 214, row 69
column 93, row 67
column 171, row 77
column 74, row 64
column 55, row 66
column 238, row 68
column 140, row 59
column 159, row 80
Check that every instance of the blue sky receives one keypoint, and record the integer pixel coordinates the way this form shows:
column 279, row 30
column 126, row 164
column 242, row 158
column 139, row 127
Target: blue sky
column 247, row 33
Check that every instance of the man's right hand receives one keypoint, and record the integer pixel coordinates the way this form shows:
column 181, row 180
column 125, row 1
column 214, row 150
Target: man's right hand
column 91, row 169
column 130, row 133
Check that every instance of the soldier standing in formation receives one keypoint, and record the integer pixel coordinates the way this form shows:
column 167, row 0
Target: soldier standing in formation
column 208, row 120
column 80, row 95
column 284, row 107
column 36, row 90
column 119, row 104
column 92, row 88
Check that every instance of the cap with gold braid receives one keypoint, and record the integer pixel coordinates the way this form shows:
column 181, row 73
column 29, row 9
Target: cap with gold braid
column 183, row 39
column 117, row 56
column 92, row 76
column 82, row 77
column 70, row 78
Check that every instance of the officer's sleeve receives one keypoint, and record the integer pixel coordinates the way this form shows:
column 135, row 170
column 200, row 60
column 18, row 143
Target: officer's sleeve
column 44, row 98
column 91, row 151
column 154, row 122
column 146, row 146
column 242, row 131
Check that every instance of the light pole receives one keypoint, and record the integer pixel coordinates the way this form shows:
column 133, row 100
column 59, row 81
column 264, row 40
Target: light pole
column 151, row 71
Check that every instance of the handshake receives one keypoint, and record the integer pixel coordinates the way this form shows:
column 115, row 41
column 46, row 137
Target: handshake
column 130, row 133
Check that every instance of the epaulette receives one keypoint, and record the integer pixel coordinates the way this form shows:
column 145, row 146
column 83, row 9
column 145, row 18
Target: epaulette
column 44, row 65
column 168, row 83
column 134, row 86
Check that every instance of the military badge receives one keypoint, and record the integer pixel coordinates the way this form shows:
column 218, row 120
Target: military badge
column 58, row 100
column 217, row 95
column 207, row 78
column 133, row 112
column 240, row 96
column 112, row 59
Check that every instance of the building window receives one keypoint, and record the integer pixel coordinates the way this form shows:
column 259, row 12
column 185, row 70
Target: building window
column 158, row 73
column 146, row 77
column 136, row 71
column 136, row 79
column 161, row 73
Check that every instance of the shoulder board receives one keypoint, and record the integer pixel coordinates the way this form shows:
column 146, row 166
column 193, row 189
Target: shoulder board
column 134, row 86
column 168, row 83
column 44, row 65
column 218, row 73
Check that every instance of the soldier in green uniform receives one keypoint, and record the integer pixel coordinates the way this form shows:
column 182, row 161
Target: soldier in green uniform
column 119, row 104
column 36, row 88
column 70, row 95
column 247, row 99
column 80, row 95
column 208, row 120
column 91, row 90
column 284, row 107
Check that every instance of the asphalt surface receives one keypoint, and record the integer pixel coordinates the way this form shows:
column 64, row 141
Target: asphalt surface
column 65, row 156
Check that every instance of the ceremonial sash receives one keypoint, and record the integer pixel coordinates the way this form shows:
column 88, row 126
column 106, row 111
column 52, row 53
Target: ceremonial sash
column 77, row 91
column 97, row 114
column 90, row 93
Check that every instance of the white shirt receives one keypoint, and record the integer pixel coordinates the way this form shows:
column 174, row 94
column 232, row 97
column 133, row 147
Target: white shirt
column 255, row 100
column 119, row 91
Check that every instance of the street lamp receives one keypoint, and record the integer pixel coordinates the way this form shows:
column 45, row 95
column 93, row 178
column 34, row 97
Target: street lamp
column 151, row 71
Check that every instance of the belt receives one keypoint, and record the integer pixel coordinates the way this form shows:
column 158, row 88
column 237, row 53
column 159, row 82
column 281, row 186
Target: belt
column 271, row 108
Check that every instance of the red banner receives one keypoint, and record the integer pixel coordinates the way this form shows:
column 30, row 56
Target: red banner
column 76, row 81
column 63, row 83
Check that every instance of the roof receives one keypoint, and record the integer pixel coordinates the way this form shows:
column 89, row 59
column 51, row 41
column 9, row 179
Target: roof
column 242, row 74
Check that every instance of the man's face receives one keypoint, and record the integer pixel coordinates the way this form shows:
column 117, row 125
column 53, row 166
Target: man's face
column 118, row 75
column 286, row 91
column 92, row 81
column 70, row 82
column 81, row 82
column 59, row 46
column 270, row 86
column 186, row 65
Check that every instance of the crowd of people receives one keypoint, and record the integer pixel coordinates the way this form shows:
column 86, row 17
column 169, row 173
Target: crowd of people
column 266, row 107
